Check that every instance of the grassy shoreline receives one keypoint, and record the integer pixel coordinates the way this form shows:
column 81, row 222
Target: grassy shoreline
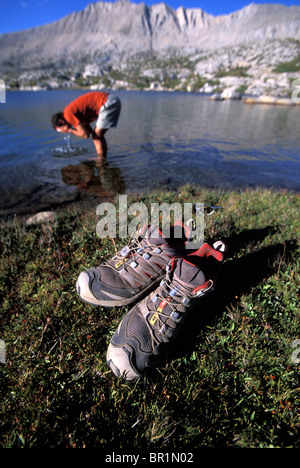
column 232, row 381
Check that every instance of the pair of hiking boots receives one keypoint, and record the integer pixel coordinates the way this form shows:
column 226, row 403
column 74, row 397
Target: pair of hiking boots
column 164, row 280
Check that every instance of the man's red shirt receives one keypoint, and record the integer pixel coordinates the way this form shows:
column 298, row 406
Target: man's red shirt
column 85, row 109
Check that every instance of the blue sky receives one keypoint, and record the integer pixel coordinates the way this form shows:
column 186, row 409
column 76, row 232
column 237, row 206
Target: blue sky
column 16, row 15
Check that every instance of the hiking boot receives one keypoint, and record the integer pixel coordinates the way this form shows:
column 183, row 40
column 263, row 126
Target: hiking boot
column 145, row 336
column 135, row 270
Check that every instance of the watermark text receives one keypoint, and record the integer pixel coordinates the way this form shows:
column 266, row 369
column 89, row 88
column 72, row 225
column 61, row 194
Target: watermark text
column 2, row 352
column 296, row 92
column 2, row 92
column 128, row 220
column 295, row 358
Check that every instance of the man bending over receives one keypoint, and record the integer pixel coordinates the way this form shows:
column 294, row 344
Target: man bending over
column 102, row 108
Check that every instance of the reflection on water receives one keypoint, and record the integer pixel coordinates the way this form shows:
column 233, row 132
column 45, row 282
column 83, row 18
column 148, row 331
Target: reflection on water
column 163, row 140
column 94, row 178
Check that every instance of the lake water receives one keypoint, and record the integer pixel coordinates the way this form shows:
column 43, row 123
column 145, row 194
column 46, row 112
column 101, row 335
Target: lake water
column 163, row 140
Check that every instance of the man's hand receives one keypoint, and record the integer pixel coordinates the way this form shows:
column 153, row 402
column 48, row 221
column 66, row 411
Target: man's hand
column 64, row 129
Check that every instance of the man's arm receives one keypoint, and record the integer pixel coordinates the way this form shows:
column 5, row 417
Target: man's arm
column 82, row 130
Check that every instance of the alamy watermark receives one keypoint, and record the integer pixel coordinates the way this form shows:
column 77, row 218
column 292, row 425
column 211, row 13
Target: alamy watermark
column 130, row 219
column 2, row 92
column 2, row 352
column 296, row 92
column 295, row 358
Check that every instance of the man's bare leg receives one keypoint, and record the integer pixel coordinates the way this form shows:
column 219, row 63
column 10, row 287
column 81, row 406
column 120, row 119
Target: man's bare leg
column 100, row 142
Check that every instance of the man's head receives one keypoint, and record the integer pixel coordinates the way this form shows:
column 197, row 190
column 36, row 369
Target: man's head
column 59, row 123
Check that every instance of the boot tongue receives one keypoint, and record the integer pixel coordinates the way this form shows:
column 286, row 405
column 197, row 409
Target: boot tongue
column 187, row 276
column 176, row 236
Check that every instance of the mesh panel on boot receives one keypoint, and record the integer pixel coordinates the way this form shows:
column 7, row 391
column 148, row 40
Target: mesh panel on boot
column 138, row 329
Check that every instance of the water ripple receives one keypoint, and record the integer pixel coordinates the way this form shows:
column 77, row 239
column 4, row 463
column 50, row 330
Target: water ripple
column 162, row 140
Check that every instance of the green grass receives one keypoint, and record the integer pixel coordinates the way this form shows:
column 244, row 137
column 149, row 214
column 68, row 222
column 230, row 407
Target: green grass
column 237, row 71
column 231, row 380
column 290, row 66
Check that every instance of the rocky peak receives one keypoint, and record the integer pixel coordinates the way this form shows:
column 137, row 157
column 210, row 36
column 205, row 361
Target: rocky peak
column 106, row 33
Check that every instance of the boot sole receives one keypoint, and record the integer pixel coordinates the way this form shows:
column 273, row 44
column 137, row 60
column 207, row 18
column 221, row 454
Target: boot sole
column 84, row 292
